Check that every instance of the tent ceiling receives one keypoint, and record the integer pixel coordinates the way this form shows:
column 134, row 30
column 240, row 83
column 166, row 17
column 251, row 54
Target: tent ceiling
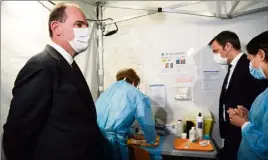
column 220, row 9
column 132, row 9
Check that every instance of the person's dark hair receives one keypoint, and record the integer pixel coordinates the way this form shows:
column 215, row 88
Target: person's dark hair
column 129, row 75
column 258, row 42
column 227, row 36
column 57, row 14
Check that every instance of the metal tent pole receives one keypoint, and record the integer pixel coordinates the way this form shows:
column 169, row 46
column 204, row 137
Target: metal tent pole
column 100, row 50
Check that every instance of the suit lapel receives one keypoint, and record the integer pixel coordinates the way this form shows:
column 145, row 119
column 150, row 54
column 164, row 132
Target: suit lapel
column 235, row 72
column 73, row 77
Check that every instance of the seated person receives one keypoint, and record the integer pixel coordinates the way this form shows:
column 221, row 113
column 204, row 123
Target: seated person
column 117, row 108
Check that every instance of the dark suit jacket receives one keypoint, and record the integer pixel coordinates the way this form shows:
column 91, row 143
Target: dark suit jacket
column 242, row 90
column 52, row 114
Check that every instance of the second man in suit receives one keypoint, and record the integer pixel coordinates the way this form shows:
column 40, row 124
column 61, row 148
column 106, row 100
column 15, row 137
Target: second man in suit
column 236, row 91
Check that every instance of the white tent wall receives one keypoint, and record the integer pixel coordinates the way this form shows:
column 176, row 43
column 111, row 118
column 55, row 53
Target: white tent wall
column 139, row 43
column 24, row 33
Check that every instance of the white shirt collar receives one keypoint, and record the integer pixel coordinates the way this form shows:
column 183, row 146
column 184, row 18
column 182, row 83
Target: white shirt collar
column 64, row 53
column 236, row 59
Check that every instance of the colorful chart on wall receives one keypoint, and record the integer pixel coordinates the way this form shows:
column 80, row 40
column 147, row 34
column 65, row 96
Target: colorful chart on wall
column 174, row 63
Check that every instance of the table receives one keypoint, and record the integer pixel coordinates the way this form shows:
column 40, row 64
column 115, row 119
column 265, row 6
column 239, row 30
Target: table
column 166, row 151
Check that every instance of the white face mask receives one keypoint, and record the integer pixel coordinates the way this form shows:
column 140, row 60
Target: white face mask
column 80, row 42
column 219, row 60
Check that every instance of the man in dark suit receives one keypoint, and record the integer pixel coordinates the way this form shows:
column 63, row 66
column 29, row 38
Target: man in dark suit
column 239, row 88
column 52, row 114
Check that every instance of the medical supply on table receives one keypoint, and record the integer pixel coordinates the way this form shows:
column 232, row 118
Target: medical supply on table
column 190, row 115
column 179, row 128
column 204, row 143
column 199, row 126
column 192, row 134
column 184, row 136
column 189, row 125
column 187, row 145
column 206, row 137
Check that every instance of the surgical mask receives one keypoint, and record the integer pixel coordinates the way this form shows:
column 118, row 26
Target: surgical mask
column 256, row 72
column 80, row 42
column 219, row 60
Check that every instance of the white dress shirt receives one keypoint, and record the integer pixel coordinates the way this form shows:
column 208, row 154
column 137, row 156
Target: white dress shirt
column 64, row 53
column 233, row 63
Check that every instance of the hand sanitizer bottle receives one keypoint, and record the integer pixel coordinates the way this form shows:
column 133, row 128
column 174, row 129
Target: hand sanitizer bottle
column 199, row 126
column 192, row 135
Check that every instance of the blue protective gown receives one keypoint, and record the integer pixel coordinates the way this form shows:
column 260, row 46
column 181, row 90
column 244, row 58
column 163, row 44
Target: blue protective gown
column 117, row 108
column 254, row 144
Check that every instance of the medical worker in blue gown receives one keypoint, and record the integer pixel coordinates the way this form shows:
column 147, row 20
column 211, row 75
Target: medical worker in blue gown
column 254, row 124
column 117, row 108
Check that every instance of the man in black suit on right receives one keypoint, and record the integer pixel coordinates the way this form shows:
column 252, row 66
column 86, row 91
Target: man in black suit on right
column 239, row 88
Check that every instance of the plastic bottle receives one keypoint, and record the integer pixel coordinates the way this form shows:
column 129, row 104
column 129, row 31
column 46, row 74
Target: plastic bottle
column 192, row 135
column 199, row 126
column 179, row 128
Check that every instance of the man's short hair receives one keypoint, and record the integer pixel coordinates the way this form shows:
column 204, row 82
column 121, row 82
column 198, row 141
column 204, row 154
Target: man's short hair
column 58, row 14
column 227, row 36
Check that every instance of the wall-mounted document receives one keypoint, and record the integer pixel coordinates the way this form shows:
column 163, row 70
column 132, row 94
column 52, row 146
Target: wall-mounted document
column 157, row 94
column 210, row 80
column 173, row 63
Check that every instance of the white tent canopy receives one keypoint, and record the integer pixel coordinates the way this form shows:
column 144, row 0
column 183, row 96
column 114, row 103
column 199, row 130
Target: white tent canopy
column 220, row 9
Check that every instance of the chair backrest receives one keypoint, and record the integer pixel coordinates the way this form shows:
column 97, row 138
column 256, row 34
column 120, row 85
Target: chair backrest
column 139, row 153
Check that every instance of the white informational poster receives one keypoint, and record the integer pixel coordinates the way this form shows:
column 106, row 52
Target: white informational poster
column 210, row 80
column 158, row 95
column 173, row 63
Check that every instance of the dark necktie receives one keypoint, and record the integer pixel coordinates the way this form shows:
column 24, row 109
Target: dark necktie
column 224, row 89
column 225, row 82
column 76, row 67
column 81, row 78
column 79, row 74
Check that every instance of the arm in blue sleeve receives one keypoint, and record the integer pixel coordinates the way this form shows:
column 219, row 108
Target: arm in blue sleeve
column 258, row 140
column 145, row 118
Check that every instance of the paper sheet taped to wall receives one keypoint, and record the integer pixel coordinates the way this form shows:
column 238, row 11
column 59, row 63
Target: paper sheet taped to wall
column 158, row 95
column 210, row 80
